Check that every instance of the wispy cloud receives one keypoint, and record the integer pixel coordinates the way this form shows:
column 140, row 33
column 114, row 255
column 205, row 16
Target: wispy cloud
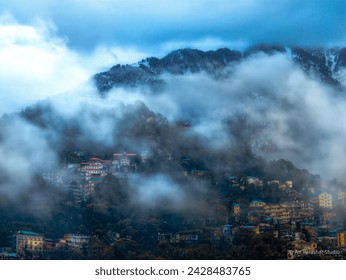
column 36, row 63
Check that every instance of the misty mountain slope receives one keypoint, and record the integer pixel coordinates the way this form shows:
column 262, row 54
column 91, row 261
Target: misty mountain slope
column 327, row 64
column 235, row 124
column 135, row 128
column 239, row 125
column 289, row 113
column 147, row 71
column 138, row 128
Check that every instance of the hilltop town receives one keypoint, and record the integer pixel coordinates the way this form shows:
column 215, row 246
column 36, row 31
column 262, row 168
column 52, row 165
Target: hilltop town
column 239, row 216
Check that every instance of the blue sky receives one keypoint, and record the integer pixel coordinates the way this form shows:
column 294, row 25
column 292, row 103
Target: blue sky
column 48, row 46
column 157, row 25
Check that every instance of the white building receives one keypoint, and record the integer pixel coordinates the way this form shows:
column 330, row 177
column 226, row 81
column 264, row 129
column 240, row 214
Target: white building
column 324, row 200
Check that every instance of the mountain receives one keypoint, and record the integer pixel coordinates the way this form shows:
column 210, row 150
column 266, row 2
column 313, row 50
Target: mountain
column 326, row 64
column 147, row 71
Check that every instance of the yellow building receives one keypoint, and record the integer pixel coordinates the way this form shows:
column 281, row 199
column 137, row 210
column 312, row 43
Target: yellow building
column 303, row 245
column 236, row 209
column 325, row 200
column 257, row 203
column 342, row 198
column 29, row 241
column 341, row 239
column 302, row 211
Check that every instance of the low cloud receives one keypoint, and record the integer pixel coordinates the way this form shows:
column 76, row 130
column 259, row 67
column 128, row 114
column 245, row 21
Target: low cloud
column 36, row 63
column 279, row 111
column 25, row 151
column 161, row 192
column 158, row 191
column 289, row 114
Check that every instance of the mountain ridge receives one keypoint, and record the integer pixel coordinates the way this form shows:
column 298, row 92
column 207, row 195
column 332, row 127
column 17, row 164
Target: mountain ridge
column 325, row 63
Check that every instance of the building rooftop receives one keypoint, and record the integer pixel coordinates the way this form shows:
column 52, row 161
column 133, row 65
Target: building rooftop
column 257, row 201
column 25, row 232
column 185, row 158
column 125, row 154
column 248, row 227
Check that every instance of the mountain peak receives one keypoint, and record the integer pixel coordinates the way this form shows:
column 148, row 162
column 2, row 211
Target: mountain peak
column 323, row 63
column 178, row 62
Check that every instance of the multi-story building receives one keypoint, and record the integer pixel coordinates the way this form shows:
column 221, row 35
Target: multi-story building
column 123, row 165
column 277, row 211
column 254, row 181
column 301, row 211
column 77, row 240
column 185, row 236
column 236, row 209
column 75, row 190
column 94, row 170
column 298, row 211
column 341, row 239
column 189, row 235
column 342, row 199
column 257, row 203
column 168, row 238
column 28, row 241
column 263, row 228
column 324, row 201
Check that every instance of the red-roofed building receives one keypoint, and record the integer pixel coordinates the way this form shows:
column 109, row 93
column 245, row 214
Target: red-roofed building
column 95, row 169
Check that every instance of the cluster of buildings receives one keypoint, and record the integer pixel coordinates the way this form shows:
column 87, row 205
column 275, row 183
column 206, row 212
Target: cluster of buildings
column 31, row 245
column 285, row 212
column 311, row 225
column 80, row 179
column 305, row 225
column 122, row 166
column 23, row 244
